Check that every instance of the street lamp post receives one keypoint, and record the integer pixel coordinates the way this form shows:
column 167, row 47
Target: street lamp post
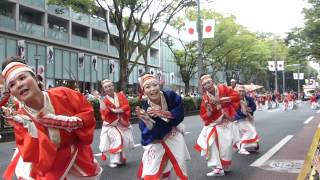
column 36, row 58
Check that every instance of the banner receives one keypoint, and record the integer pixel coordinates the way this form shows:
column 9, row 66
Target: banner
column 271, row 66
column 111, row 66
column 208, row 28
column 50, row 55
column 280, row 65
column 41, row 71
column 21, row 49
column 191, row 33
column 171, row 76
column 81, row 60
column 94, row 62
column 152, row 71
column 301, row 76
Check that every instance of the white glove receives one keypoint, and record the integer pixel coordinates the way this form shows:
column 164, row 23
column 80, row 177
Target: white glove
column 27, row 123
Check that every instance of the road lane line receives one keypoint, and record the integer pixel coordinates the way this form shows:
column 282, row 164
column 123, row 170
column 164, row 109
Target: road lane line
column 318, row 111
column 259, row 162
column 308, row 120
column 187, row 132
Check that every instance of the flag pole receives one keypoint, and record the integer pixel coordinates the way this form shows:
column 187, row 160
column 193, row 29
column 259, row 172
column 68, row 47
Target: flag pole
column 199, row 29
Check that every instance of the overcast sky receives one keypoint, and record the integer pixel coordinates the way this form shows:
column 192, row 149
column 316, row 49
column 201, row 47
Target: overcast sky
column 276, row 16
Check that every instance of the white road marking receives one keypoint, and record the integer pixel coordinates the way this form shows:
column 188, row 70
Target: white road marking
column 318, row 111
column 187, row 132
column 308, row 120
column 259, row 162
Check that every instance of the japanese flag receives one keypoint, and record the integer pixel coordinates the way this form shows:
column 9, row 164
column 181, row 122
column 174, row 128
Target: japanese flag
column 191, row 30
column 280, row 65
column 208, row 29
column 271, row 66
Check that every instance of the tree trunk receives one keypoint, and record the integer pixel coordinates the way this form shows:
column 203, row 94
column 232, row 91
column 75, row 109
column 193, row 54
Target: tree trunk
column 187, row 87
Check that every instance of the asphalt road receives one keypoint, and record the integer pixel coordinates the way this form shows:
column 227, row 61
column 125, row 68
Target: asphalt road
column 272, row 126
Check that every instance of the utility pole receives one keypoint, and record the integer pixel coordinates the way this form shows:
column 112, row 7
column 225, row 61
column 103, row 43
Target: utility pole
column 199, row 29
column 276, row 66
column 299, row 81
column 283, row 81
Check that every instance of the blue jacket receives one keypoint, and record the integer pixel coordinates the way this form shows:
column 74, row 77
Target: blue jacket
column 162, row 128
column 250, row 103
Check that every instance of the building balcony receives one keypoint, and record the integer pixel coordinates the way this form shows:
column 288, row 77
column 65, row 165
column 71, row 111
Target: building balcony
column 113, row 29
column 58, row 10
column 113, row 51
column 80, row 17
column 37, row 3
column 99, row 45
column 154, row 61
column 98, row 23
column 57, row 35
column 7, row 22
column 32, row 29
column 80, row 41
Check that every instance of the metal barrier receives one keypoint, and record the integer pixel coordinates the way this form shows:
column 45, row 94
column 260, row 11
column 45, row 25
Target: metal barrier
column 308, row 172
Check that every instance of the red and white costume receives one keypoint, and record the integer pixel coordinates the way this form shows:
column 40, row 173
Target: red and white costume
column 62, row 148
column 218, row 135
column 116, row 133
column 54, row 142
column 313, row 101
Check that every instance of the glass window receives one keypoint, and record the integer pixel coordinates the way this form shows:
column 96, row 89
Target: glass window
column 66, row 65
column 106, row 72
column 31, row 52
column 11, row 48
column 58, row 63
column 87, row 68
column 2, row 50
column 74, row 66
column 100, row 70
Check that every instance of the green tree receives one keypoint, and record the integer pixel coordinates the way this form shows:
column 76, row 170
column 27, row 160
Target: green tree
column 135, row 21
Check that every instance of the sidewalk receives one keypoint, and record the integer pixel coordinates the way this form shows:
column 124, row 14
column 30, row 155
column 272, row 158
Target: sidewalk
column 286, row 163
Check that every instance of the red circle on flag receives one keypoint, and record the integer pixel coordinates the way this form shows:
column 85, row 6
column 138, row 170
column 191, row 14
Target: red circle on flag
column 191, row 30
column 208, row 28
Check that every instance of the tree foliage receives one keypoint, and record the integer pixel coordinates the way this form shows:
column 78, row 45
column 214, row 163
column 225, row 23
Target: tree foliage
column 135, row 21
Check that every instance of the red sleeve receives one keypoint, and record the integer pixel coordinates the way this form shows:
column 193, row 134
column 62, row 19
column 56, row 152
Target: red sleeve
column 124, row 105
column 84, row 111
column 72, row 103
column 230, row 108
column 106, row 114
column 203, row 112
column 40, row 151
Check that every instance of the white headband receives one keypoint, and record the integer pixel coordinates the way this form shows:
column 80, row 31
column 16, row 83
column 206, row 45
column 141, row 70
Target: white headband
column 12, row 69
